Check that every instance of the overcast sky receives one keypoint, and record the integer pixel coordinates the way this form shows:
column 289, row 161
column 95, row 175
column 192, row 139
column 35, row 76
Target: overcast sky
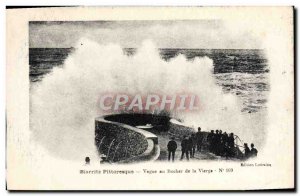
column 130, row 34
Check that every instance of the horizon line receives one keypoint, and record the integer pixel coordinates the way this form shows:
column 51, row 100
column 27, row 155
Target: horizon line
column 161, row 48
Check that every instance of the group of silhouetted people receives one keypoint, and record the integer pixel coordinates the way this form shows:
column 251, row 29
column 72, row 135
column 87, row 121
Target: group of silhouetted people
column 189, row 145
column 250, row 153
column 222, row 144
column 219, row 143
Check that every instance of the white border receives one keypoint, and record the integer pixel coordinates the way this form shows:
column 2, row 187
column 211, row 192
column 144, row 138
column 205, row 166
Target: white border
column 106, row 3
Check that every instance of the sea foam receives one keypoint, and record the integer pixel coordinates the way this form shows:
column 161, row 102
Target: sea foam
column 65, row 103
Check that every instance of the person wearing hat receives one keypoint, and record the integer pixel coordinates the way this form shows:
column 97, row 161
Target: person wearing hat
column 184, row 148
column 247, row 151
column 172, row 146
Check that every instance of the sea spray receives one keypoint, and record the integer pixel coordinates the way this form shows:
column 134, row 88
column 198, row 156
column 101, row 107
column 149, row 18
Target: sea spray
column 65, row 103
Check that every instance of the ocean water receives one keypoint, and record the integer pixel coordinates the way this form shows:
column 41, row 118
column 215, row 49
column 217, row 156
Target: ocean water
column 243, row 73
column 232, row 86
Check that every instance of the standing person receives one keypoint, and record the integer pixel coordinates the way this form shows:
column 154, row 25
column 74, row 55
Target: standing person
column 190, row 146
column 225, row 138
column 253, row 151
column 217, row 143
column 210, row 139
column 172, row 146
column 224, row 144
column 194, row 144
column 220, row 143
column 231, row 145
column 231, row 140
column 184, row 148
column 247, row 151
column 199, row 139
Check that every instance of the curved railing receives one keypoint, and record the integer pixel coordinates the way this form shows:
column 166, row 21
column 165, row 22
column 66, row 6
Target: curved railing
column 122, row 143
column 150, row 154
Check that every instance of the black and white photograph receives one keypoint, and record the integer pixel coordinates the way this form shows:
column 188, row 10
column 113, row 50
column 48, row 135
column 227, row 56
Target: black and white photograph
column 147, row 98
column 142, row 71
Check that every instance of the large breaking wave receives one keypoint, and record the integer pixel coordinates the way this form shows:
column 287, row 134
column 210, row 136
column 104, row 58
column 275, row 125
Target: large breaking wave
column 64, row 103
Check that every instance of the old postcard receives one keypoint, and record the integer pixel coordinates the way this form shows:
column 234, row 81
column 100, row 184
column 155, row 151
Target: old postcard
column 150, row 98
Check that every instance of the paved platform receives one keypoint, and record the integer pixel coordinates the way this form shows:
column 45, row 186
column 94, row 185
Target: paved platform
column 163, row 140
